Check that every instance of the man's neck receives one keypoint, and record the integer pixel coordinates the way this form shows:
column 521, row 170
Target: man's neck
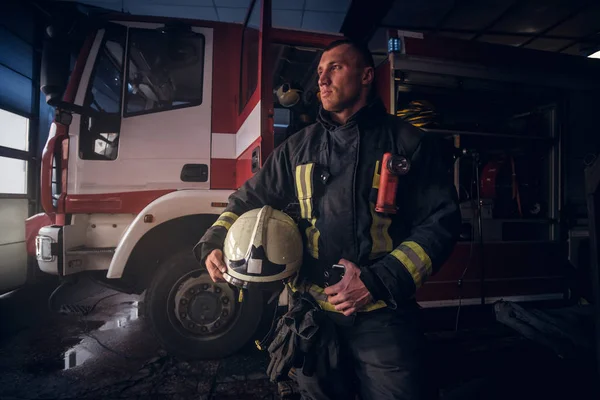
column 341, row 117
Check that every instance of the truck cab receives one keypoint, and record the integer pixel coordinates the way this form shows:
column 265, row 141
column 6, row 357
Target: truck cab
column 160, row 121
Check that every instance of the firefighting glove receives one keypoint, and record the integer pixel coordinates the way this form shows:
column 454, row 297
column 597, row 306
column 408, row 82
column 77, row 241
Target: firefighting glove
column 303, row 322
column 306, row 324
column 282, row 352
column 307, row 337
column 295, row 336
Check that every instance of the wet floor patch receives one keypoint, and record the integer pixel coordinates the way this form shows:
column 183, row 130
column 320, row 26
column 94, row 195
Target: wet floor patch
column 111, row 353
column 54, row 353
column 124, row 313
column 75, row 357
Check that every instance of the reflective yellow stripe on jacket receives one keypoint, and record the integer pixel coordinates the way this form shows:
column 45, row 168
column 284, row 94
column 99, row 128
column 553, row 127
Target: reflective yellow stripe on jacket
column 416, row 261
column 317, row 293
column 304, row 189
column 304, row 192
column 380, row 223
column 226, row 220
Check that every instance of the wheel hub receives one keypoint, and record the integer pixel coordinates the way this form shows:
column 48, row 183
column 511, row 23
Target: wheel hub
column 203, row 307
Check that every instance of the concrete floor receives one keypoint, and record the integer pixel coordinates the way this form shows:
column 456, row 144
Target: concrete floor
column 111, row 354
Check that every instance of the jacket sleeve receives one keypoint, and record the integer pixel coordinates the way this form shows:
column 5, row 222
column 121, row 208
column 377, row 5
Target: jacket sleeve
column 272, row 185
column 430, row 207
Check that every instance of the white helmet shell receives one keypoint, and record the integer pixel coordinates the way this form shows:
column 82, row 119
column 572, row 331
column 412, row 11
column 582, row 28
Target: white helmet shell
column 262, row 246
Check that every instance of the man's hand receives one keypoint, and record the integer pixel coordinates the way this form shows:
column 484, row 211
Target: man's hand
column 215, row 265
column 350, row 294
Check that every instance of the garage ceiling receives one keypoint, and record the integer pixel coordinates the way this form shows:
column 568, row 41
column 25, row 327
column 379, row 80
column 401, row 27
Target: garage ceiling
column 313, row 15
column 564, row 26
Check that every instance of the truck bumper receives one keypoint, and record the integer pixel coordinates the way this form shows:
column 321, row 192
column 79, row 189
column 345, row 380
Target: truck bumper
column 48, row 249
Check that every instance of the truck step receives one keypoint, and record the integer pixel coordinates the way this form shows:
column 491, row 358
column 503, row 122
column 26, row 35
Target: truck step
column 82, row 250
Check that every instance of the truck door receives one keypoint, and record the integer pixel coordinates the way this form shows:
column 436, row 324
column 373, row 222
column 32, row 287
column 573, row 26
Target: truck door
column 150, row 87
column 254, row 139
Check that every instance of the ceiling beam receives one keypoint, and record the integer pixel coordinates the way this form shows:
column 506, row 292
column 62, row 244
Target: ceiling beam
column 447, row 15
column 363, row 18
column 583, row 39
column 429, row 29
column 511, row 8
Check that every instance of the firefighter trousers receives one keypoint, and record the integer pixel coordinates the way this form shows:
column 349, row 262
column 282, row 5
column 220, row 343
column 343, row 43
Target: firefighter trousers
column 382, row 356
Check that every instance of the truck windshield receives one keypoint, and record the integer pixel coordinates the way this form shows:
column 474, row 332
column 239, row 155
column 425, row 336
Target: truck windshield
column 165, row 70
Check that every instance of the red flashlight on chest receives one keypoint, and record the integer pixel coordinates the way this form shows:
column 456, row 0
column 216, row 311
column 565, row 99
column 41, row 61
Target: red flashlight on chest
column 392, row 167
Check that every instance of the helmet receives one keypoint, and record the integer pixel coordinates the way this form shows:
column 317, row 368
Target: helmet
column 262, row 246
column 287, row 95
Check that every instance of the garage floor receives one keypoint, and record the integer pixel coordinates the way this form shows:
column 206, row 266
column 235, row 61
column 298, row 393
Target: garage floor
column 111, row 354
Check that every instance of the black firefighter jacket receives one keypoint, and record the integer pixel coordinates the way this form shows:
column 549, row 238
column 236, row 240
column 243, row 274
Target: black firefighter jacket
column 333, row 172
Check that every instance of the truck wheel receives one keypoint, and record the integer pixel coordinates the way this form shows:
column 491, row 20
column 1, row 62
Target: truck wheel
column 195, row 318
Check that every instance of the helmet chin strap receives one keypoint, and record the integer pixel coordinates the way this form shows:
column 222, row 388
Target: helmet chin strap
column 235, row 282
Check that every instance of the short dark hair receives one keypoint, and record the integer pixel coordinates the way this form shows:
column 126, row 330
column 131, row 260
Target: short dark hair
column 363, row 50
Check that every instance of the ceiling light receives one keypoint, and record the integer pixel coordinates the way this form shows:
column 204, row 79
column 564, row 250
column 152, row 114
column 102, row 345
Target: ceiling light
column 595, row 55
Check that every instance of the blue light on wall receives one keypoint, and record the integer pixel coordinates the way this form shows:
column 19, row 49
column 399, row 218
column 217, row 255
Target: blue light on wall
column 394, row 45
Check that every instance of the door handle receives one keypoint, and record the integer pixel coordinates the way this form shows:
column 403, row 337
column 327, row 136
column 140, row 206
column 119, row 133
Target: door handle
column 194, row 173
column 255, row 160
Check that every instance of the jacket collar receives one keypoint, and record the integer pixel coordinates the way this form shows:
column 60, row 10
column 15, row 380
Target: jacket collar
column 368, row 114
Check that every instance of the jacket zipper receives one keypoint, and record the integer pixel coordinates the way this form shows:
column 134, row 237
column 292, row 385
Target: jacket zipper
column 355, row 234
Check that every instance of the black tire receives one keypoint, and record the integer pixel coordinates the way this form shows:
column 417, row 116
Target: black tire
column 178, row 318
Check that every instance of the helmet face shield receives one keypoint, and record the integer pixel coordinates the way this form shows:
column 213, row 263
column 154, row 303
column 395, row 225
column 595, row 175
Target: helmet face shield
column 262, row 246
column 258, row 264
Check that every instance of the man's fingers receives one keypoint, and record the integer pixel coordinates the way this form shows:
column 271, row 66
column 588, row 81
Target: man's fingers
column 338, row 287
column 333, row 289
column 216, row 257
column 347, row 308
column 337, row 299
column 349, row 311
column 344, row 306
column 212, row 271
column 220, row 267
column 350, row 266
column 215, row 273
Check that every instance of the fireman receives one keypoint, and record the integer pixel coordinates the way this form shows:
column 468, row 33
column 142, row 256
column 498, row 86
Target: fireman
column 333, row 170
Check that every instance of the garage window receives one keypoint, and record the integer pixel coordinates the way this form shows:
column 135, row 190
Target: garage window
column 165, row 70
column 13, row 148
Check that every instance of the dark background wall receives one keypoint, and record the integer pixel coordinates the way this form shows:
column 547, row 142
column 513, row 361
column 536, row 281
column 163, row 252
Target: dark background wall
column 582, row 144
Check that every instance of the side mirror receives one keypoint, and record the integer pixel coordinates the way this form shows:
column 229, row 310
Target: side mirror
column 55, row 65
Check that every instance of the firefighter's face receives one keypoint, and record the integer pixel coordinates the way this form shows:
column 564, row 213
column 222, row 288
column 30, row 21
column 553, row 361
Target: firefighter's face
column 343, row 79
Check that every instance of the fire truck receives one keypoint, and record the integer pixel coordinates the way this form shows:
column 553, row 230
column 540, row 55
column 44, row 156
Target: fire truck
column 158, row 120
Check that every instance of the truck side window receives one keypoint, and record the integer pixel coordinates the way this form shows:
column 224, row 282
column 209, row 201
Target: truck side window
column 99, row 132
column 165, row 70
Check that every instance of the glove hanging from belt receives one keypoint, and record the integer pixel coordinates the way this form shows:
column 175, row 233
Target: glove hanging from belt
column 303, row 338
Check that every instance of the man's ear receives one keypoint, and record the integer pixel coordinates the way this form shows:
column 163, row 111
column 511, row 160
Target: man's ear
column 368, row 75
